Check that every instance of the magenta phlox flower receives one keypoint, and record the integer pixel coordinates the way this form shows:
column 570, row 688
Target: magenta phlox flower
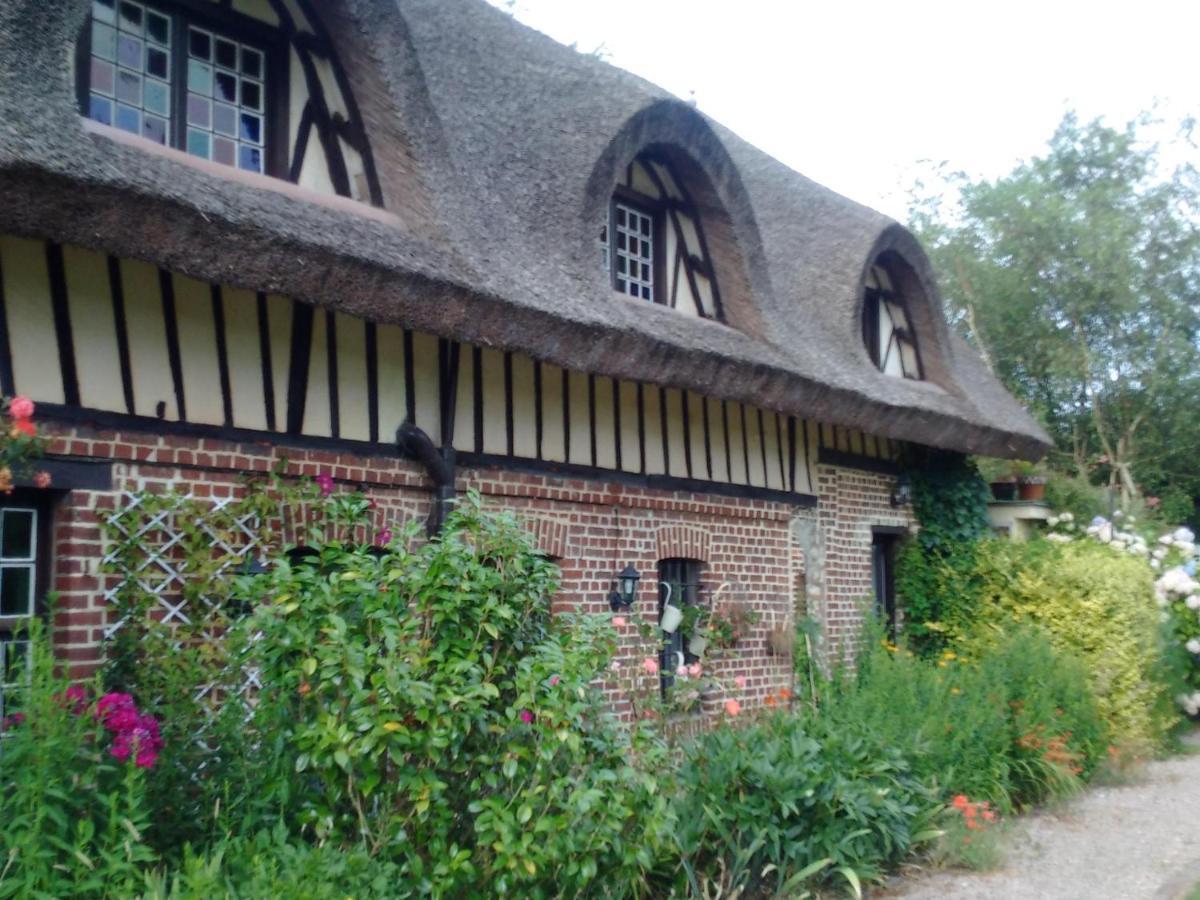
column 384, row 537
column 76, row 697
column 11, row 721
column 133, row 733
column 324, row 483
column 526, row 716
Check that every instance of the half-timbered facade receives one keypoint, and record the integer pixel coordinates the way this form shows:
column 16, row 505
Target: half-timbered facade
column 238, row 232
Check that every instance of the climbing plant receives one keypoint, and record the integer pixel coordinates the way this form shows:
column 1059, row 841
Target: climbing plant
column 933, row 572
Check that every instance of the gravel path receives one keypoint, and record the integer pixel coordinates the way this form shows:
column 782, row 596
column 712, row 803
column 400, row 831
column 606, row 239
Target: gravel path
column 1140, row 840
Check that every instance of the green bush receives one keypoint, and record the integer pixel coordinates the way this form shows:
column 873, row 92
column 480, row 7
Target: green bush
column 73, row 813
column 271, row 864
column 1012, row 727
column 794, row 799
column 1091, row 602
column 440, row 717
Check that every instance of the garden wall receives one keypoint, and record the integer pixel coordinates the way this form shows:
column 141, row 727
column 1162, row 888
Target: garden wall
column 592, row 528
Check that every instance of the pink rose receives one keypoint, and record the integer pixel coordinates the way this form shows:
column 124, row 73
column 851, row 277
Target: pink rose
column 694, row 670
column 526, row 716
column 682, row 671
column 740, row 681
column 618, row 621
column 733, row 707
column 650, row 664
column 21, row 408
column 553, row 680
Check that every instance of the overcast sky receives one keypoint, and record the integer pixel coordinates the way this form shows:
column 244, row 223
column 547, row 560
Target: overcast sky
column 854, row 94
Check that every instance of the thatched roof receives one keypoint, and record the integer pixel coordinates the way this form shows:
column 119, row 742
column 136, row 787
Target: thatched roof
column 497, row 149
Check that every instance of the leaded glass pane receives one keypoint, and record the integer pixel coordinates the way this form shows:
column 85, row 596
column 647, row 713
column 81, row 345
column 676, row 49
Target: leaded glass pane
column 136, row 72
column 132, row 79
column 238, row 114
column 634, row 254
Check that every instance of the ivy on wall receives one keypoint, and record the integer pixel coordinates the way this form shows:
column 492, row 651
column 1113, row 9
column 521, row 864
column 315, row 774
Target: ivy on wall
column 933, row 573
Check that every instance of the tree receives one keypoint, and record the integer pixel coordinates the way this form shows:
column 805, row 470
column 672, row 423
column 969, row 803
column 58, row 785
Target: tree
column 1077, row 276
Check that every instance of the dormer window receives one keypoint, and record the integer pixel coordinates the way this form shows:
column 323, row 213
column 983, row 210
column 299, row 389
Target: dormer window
column 658, row 252
column 186, row 80
column 887, row 327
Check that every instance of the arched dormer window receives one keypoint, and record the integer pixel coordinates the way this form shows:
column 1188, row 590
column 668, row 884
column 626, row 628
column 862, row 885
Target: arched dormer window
column 254, row 85
column 887, row 326
column 659, row 252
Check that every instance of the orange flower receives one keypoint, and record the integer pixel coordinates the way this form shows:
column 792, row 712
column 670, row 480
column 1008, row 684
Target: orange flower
column 732, row 707
column 304, row 689
column 960, row 801
column 785, row 694
column 973, row 824
column 989, row 816
column 770, row 701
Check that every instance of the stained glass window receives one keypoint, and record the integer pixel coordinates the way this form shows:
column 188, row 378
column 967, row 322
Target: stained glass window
column 136, row 83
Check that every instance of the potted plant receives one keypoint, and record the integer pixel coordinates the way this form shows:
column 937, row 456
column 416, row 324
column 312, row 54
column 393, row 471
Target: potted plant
column 1000, row 477
column 1031, row 480
column 730, row 622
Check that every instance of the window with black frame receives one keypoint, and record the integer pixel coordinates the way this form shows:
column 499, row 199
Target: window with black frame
column 887, row 328
column 678, row 587
column 24, row 540
column 188, row 79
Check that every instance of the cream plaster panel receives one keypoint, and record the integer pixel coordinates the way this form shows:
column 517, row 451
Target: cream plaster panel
column 495, row 433
column 553, row 434
column 280, row 311
column 696, row 426
column 737, row 446
column 93, row 330
column 581, row 437
column 606, row 445
column 147, row 330
column 316, row 406
column 464, row 403
column 392, row 403
column 524, row 408
column 428, row 393
column 716, row 436
column 245, row 358
column 353, row 420
column 631, row 456
column 677, row 463
column 30, row 319
column 198, row 351
column 656, row 464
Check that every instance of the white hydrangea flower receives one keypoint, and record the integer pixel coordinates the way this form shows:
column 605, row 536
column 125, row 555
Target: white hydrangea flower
column 1193, row 646
column 1052, row 521
column 1166, row 540
column 1186, row 548
column 1160, row 553
column 1155, row 564
column 1184, row 536
column 1059, row 538
column 1192, row 602
column 1118, row 514
column 1067, row 517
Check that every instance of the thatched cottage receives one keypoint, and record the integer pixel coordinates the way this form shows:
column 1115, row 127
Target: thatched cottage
column 236, row 231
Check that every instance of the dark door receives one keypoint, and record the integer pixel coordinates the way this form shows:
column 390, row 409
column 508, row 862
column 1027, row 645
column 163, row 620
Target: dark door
column 883, row 575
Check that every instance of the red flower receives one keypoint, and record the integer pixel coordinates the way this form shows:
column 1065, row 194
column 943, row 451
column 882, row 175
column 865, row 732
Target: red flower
column 24, row 426
column 960, row 801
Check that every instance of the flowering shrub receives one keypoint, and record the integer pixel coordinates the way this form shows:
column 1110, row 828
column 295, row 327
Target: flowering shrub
column 73, row 813
column 438, row 716
column 20, row 443
column 1173, row 558
column 971, row 835
column 970, row 724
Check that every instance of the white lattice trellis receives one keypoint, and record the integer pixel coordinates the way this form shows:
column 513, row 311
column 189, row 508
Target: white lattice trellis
column 161, row 570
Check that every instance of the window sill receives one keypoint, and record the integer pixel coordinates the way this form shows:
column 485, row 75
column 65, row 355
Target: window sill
column 239, row 176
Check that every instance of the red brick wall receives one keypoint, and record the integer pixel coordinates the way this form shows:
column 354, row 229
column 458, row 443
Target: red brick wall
column 593, row 527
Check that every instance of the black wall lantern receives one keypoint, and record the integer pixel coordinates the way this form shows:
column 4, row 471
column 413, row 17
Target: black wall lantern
column 902, row 492
column 622, row 596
